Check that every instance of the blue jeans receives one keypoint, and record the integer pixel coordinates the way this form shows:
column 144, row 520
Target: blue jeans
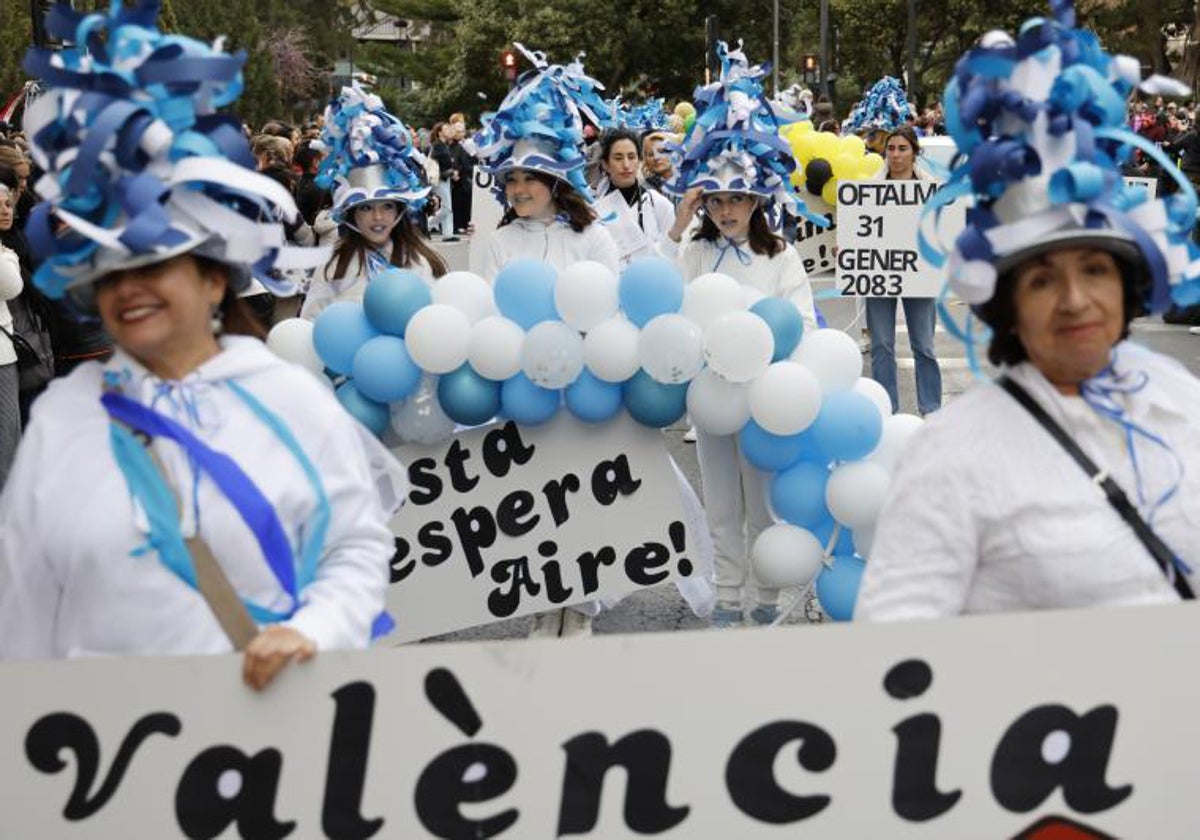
column 445, row 217
column 921, row 315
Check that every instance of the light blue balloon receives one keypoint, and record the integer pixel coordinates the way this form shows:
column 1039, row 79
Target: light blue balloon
column 798, row 494
column 467, row 397
column 823, row 530
column 837, row 586
column 393, row 297
column 371, row 414
column 649, row 287
column 653, row 403
column 848, row 427
column 524, row 291
column 338, row 333
column 593, row 400
column 774, row 452
column 383, row 371
column 527, row 403
column 785, row 322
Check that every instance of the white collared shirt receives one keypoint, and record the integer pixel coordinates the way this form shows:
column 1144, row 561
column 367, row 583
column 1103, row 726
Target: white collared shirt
column 552, row 241
column 654, row 212
column 988, row 513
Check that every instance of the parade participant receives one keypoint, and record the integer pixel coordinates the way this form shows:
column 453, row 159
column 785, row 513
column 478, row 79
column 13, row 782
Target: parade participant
column 10, row 287
column 641, row 216
column 657, row 168
column 377, row 176
column 1074, row 479
column 736, row 182
column 901, row 152
column 539, row 177
column 218, row 498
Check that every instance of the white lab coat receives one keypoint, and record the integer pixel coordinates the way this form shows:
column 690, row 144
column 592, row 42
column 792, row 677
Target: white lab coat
column 552, row 241
column 636, row 230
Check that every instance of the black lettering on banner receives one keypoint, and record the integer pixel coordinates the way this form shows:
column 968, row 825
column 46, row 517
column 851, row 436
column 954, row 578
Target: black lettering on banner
column 915, row 795
column 750, row 774
column 556, row 496
column 456, row 461
column 645, row 756
column 55, row 733
column 476, row 530
column 399, row 570
column 870, row 226
column 611, row 479
column 513, row 508
column 589, row 566
column 503, row 447
column 346, row 770
column 556, row 591
column 471, row 773
column 432, row 536
column 876, row 285
column 503, row 602
column 223, row 785
column 1023, row 776
column 426, row 486
column 640, row 562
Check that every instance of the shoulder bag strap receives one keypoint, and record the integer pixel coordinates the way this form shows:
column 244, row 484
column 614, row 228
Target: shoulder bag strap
column 1163, row 556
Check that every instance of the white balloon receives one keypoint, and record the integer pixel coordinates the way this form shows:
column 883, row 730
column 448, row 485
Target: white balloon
column 494, row 348
column 291, row 339
column 856, row 492
column 717, row 406
column 610, row 350
column 437, row 337
column 469, row 293
column 785, row 555
column 738, row 346
column 786, row 399
column 671, row 349
column 710, row 296
column 832, row 356
column 897, row 432
column 876, row 393
column 420, row 419
column 752, row 296
column 863, row 539
column 585, row 294
column 552, row 355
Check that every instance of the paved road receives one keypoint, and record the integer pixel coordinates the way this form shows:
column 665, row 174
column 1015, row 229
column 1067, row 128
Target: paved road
column 661, row 608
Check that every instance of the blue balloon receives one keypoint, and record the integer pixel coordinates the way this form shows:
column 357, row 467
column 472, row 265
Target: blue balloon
column 527, row 403
column 371, row 414
column 524, row 291
column 848, row 427
column 653, row 403
column 798, row 494
column 338, row 333
column 649, row 287
column 837, row 586
column 593, row 400
column 774, row 452
column 467, row 397
column 393, row 297
column 823, row 530
column 785, row 322
column 383, row 371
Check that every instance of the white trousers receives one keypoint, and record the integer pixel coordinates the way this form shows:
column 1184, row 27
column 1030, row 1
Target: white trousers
column 735, row 504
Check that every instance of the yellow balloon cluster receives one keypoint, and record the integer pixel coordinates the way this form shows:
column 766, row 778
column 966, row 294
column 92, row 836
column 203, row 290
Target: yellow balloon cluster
column 823, row 159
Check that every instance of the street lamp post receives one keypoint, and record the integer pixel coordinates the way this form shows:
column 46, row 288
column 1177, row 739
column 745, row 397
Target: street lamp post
column 823, row 63
column 775, row 54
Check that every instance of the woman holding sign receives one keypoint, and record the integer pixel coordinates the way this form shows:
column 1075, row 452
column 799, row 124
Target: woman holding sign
column 1074, row 479
column 194, row 494
column 733, row 191
column 901, row 150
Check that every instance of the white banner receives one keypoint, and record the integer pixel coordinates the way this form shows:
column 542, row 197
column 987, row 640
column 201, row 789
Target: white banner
column 1149, row 185
column 816, row 245
column 486, row 213
column 984, row 727
column 504, row 521
column 877, row 238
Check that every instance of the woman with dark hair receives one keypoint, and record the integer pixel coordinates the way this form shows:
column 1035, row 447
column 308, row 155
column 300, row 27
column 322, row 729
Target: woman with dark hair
column 440, row 152
column 1074, row 479
column 379, row 182
column 642, row 215
column 902, row 151
column 194, row 494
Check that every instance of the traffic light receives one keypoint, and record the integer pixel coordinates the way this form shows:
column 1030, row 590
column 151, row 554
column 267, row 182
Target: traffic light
column 508, row 61
column 810, row 67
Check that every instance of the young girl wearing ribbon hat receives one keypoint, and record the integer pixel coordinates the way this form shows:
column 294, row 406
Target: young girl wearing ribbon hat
column 533, row 149
column 1074, row 479
column 735, row 175
column 194, row 494
column 377, row 175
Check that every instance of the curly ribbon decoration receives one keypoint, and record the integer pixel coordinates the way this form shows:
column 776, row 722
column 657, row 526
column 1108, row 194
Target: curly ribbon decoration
column 884, row 108
column 650, row 115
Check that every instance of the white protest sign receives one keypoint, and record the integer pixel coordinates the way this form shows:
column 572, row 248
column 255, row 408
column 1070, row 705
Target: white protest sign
column 504, row 521
column 1150, row 185
column 985, row 727
column 815, row 245
column 877, row 238
column 485, row 215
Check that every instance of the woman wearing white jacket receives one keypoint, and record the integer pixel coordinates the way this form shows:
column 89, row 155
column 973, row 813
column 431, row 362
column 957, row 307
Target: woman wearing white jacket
column 635, row 216
column 10, row 415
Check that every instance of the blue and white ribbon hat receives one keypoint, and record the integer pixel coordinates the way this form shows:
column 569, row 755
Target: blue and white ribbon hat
column 734, row 144
column 649, row 116
column 139, row 166
column 539, row 125
column 884, row 108
column 372, row 156
column 1041, row 121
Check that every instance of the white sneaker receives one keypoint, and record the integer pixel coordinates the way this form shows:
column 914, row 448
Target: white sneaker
column 547, row 625
column 690, row 435
column 575, row 624
column 1194, row 330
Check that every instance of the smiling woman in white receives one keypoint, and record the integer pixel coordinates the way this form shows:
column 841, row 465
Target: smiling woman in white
column 636, row 216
